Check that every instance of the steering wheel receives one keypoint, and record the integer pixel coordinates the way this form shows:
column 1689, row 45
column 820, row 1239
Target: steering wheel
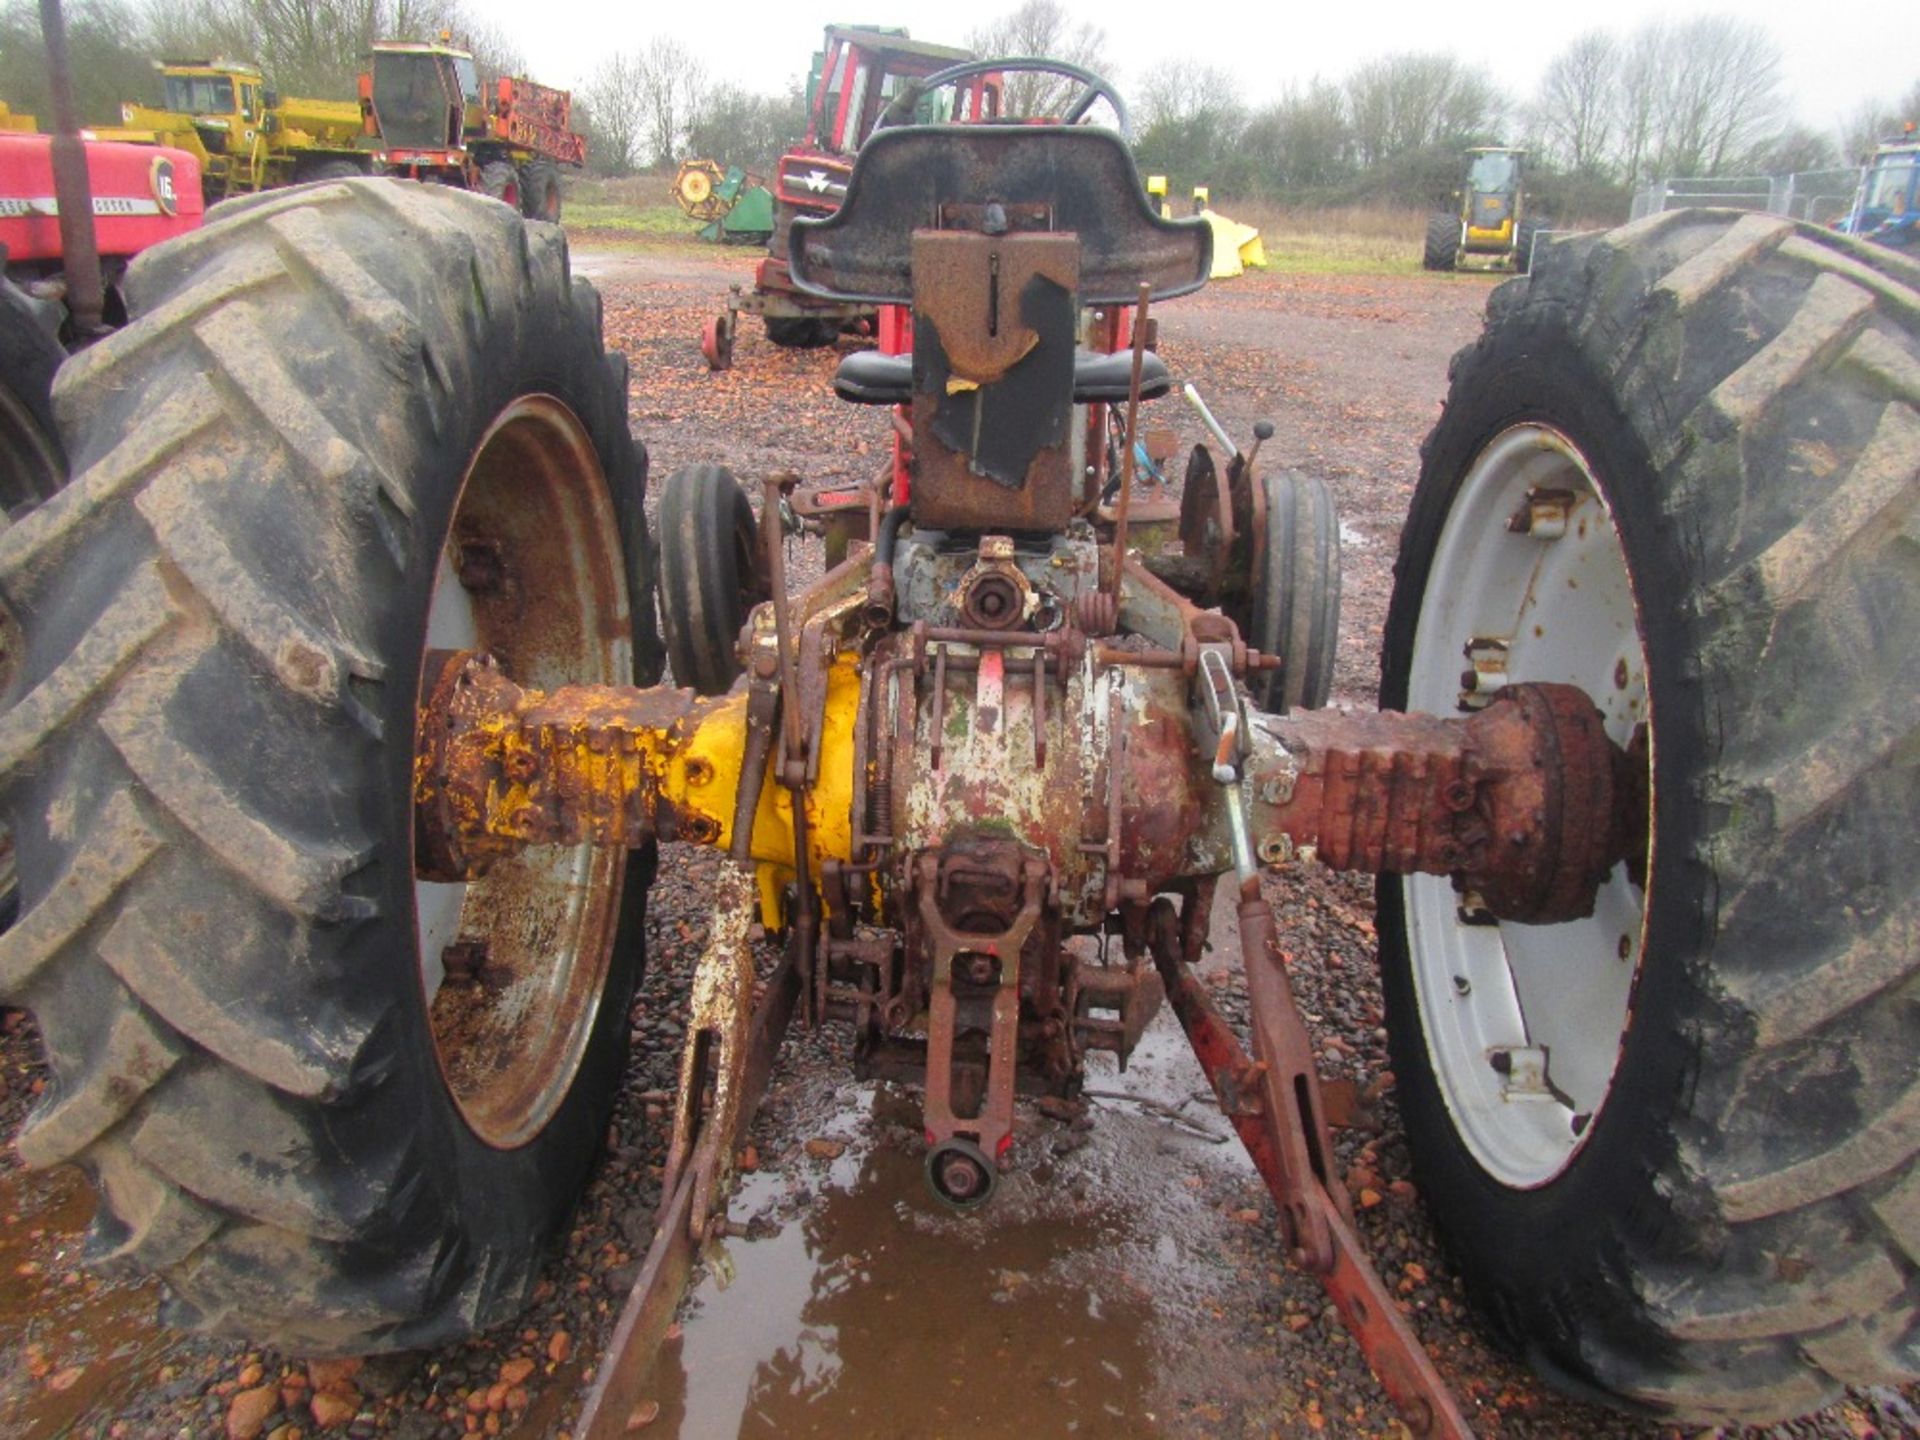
column 1093, row 89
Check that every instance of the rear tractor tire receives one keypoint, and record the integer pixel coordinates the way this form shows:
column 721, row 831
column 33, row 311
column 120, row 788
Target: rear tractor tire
column 1443, row 242
column 335, row 1108
column 711, row 574
column 1671, row 1145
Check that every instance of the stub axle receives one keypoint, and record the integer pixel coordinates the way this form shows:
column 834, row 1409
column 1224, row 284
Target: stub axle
column 1528, row 803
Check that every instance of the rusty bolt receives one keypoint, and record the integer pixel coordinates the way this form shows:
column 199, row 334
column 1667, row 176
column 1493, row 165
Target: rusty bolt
column 1458, row 795
column 462, row 961
column 520, row 765
column 479, row 566
column 699, row 772
column 700, row 829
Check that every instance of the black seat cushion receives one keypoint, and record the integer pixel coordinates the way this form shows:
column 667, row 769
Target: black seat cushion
column 1107, row 377
column 867, row 377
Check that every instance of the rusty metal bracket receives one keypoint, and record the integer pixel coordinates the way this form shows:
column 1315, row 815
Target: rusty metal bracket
column 621, row 1376
column 993, row 1126
column 718, row 1017
column 1246, row 1090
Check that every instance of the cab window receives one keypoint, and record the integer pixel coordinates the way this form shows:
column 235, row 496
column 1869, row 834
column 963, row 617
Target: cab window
column 1891, row 184
column 200, row 94
column 1491, row 173
column 469, row 79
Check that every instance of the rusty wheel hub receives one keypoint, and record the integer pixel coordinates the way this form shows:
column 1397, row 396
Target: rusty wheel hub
column 513, row 962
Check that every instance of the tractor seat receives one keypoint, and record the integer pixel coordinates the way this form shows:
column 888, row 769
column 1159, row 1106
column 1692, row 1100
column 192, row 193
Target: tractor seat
column 867, row 377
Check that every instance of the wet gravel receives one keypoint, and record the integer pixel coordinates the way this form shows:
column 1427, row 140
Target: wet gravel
column 1352, row 370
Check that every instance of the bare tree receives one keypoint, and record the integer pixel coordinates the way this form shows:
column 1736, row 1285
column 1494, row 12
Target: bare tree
column 318, row 47
column 1409, row 102
column 1044, row 29
column 1720, row 98
column 109, row 52
column 1637, row 100
column 1876, row 120
column 1302, row 140
column 613, row 100
column 672, row 84
column 1574, row 112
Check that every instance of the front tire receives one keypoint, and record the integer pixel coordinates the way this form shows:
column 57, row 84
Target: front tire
column 794, row 332
column 710, row 574
column 1442, row 251
column 348, row 425
column 32, row 462
column 1678, row 469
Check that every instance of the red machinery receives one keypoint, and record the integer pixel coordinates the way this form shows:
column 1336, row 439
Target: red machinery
column 141, row 196
column 857, row 75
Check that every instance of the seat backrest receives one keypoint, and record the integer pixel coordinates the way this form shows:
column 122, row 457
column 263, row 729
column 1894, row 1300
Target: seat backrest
column 1018, row 178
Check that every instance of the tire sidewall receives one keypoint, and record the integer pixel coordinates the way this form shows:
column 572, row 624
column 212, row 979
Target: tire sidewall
column 1532, row 1253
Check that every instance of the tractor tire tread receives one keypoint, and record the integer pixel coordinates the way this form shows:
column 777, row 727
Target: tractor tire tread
column 139, row 619
column 1765, row 355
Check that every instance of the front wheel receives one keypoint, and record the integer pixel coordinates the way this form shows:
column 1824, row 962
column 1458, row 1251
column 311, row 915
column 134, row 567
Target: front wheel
column 1442, row 251
column 1671, row 1144
column 337, row 1109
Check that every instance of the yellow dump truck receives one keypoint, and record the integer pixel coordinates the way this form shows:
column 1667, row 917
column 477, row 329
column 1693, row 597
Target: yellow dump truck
column 246, row 136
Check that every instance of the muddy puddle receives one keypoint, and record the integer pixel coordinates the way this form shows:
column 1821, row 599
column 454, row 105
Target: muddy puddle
column 858, row 1304
column 70, row 1343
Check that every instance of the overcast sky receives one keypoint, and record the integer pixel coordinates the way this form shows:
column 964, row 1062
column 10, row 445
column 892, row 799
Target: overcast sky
column 1832, row 50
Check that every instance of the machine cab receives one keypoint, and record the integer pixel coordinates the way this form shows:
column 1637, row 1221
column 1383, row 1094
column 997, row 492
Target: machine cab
column 425, row 96
column 224, row 99
column 1885, row 206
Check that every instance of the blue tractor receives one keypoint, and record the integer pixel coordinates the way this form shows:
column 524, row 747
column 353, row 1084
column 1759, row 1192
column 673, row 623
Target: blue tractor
column 1885, row 205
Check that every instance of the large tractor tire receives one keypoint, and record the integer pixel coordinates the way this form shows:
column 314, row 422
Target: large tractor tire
column 1671, row 1145
column 710, row 574
column 1442, row 250
column 32, row 464
column 336, row 1109
column 540, row 191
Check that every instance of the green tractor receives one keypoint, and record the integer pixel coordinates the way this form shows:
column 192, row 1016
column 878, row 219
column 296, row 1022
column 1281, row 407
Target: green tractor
column 1490, row 228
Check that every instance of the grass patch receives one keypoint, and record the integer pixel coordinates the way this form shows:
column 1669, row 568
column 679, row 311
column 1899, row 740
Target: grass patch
column 1335, row 240
column 633, row 210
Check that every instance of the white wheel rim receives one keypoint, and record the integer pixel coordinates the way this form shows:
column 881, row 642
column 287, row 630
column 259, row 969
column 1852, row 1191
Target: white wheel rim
column 1497, row 1001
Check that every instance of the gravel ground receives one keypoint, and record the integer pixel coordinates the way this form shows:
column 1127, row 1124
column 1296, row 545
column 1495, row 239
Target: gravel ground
column 1125, row 1282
